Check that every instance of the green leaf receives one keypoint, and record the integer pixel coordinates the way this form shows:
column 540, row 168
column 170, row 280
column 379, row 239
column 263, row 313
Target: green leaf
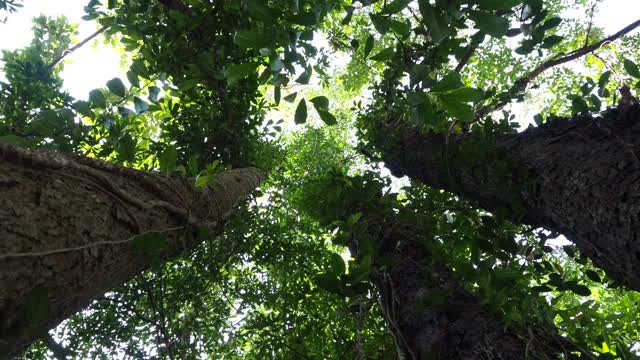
column 384, row 55
column 132, row 76
column 540, row 289
column 550, row 24
column 258, row 9
column 168, row 160
column 320, row 102
column 301, row 113
column 305, row 76
column 276, row 65
column 237, row 72
column 400, row 27
column 570, row 250
column 450, row 81
column 150, row 243
column 578, row 105
column 250, row 39
column 550, row 41
column 328, row 282
column 305, row 19
column 327, row 117
column 347, row 18
column 336, row 264
column 602, row 82
column 83, row 107
column 593, row 276
column 277, row 94
column 140, row 105
column 368, row 46
column 580, row 289
column 140, row 68
column 458, row 110
column 37, row 305
column 291, row 97
column 97, row 99
column 467, row 95
column 116, row 86
column 498, row 4
column 526, row 47
column 396, row 6
column 493, row 25
column 431, row 19
column 631, row 68
column 154, row 92
column 381, row 24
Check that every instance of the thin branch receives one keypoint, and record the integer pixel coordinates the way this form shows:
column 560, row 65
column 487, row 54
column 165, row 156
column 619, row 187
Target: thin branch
column 521, row 84
column 60, row 57
column 589, row 27
column 470, row 50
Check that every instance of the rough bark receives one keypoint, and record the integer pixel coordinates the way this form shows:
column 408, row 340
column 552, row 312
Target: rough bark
column 68, row 226
column 432, row 317
column 578, row 177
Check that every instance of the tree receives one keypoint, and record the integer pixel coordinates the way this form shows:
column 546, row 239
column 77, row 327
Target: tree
column 94, row 219
column 429, row 314
column 572, row 176
column 201, row 96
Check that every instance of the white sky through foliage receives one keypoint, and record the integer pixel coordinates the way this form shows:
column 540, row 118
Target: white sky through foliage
column 92, row 66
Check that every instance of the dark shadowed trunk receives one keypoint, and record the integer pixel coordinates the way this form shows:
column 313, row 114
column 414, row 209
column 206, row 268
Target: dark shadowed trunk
column 73, row 228
column 432, row 317
column 578, row 177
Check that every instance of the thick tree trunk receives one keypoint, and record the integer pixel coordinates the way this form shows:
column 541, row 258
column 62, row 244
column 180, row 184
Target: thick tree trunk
column 73, row 228
column 578, row 177
column 432, row 317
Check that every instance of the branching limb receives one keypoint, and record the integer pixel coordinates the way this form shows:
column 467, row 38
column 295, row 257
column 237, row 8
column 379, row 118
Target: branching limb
column 465, row 58
column 60, row 57
column 522, row 83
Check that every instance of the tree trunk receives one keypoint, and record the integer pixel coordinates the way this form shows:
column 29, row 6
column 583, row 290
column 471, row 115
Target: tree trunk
column 432, row 317
column 73, row 228
column 577, row 177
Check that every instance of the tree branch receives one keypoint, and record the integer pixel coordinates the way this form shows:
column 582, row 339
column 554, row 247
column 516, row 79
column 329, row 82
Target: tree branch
column 465, row 58
column 60, row 57
column 521, row 84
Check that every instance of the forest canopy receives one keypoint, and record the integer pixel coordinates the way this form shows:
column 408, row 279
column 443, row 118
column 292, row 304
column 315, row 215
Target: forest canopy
column 323, row 179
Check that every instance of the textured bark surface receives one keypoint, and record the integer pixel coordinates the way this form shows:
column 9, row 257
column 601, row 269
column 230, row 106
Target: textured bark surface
column 457, row 326
column 578, row 177
column 67, row 226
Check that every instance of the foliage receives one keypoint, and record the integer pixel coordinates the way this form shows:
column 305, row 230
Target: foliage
column 206, row 81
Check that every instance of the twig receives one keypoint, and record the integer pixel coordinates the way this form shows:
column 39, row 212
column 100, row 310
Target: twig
column 591, row 12
column 60, row 57
column 465, row 58
column 521, row 84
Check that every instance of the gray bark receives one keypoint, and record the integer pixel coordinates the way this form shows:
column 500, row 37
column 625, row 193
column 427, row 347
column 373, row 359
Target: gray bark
column 68, row 226
column 578, row 177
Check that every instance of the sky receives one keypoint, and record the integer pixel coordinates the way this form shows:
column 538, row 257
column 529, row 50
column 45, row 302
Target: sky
column 92, row 65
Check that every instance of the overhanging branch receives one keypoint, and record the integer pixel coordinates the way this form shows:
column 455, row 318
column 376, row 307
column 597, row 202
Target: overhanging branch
column 60, row 57
column 521, row 84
